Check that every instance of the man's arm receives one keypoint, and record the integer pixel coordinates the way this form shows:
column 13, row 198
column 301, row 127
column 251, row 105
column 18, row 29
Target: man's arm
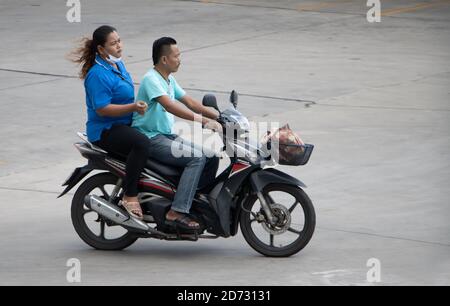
column 199, row 108
column 180, row 110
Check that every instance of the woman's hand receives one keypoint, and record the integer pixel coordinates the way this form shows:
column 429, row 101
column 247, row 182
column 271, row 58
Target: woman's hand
column 141, row 107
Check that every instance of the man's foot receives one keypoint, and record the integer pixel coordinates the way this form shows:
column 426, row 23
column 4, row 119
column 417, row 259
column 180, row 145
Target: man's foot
column 181, row 220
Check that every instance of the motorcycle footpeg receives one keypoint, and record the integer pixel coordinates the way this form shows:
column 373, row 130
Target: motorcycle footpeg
column 193, row 236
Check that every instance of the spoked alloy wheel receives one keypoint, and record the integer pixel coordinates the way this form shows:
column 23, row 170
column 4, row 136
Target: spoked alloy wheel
column 92, row 228
column 293, row 229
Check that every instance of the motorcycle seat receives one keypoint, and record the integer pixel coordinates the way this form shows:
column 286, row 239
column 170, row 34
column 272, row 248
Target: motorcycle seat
column 169, row 172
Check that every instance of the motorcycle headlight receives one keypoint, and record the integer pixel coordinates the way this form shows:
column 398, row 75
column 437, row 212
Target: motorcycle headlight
column 242, row 122
column 245, row 125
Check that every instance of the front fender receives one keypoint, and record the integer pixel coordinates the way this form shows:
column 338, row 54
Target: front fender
column 262, row 178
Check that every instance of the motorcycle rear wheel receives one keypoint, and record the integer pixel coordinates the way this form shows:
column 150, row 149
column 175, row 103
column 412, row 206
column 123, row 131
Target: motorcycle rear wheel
column 253, row 221
column 79, row 210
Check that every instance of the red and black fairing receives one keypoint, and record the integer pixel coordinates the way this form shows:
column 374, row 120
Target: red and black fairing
column 228, row 191
column 150, row 181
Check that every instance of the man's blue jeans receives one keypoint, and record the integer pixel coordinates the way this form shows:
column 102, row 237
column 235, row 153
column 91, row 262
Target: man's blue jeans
column 192, row 159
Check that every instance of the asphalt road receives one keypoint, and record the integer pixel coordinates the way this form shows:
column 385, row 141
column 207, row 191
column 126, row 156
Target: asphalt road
column 372, row 97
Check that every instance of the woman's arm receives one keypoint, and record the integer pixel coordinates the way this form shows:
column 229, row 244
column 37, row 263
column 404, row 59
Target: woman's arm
column 116, row 110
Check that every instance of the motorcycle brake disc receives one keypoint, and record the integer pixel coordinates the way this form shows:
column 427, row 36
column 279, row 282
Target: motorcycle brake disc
column 283, row 223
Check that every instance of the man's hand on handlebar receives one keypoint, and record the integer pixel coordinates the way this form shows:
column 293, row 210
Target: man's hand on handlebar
column 212, row 125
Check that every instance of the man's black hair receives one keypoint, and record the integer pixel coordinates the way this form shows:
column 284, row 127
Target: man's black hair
column 160, row 47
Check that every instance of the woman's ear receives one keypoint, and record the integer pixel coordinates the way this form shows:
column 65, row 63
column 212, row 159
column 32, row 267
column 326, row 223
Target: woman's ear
column 100, row 50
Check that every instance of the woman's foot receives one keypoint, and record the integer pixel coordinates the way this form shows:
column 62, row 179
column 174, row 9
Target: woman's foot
column 131, row 204
column 181, row 220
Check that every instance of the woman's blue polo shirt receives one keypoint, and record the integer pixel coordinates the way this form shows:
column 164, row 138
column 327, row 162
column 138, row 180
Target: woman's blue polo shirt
column 106, row 85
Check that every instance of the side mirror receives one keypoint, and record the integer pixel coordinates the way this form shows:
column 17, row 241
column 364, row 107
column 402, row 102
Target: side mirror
column 234, row 98
column 210, row 101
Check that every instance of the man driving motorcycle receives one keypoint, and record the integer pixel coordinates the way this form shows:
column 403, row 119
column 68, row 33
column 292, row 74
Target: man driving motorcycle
column 160, row 90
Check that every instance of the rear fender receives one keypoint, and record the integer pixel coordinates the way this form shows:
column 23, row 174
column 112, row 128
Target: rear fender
column 77, row 175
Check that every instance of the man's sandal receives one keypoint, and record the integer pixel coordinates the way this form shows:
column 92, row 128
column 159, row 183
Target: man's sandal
column 133, row 208
column 184, row 222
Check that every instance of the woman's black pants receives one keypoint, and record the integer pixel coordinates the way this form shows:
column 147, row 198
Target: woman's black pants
column 127, row 142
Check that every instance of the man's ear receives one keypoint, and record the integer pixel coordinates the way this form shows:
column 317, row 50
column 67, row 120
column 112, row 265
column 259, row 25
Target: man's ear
column 164, row 59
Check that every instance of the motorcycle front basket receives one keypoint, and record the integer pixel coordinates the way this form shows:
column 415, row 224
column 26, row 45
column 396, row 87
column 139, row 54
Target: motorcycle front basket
column 293, row 154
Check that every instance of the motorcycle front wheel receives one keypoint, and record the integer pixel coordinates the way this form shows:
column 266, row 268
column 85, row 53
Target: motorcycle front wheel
column 296, row 221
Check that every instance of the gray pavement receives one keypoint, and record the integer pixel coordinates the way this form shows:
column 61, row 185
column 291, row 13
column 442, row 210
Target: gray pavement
column 373, row 98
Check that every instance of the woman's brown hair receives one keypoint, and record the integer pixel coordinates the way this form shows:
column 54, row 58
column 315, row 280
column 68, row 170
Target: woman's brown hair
column 85, row 54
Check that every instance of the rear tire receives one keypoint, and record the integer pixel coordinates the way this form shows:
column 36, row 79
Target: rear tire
column 305, row 235
column 79, row 209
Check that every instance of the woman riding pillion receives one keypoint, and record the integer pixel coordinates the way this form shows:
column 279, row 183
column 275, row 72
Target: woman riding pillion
column 110, row 105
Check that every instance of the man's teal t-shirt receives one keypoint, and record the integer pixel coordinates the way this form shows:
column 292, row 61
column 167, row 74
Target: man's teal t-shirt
column 156, row 119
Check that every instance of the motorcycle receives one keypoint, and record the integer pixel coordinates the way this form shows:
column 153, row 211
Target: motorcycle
column 275, row 215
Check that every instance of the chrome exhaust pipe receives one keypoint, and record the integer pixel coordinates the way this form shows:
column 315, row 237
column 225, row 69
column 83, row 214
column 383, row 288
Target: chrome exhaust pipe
column 115, row 214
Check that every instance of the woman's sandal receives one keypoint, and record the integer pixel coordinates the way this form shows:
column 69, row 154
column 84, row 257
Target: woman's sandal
column 133, row 208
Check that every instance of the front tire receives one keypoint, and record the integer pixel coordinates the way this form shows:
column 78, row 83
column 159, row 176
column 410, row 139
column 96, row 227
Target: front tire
column 252, row 221
column 79, row 212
